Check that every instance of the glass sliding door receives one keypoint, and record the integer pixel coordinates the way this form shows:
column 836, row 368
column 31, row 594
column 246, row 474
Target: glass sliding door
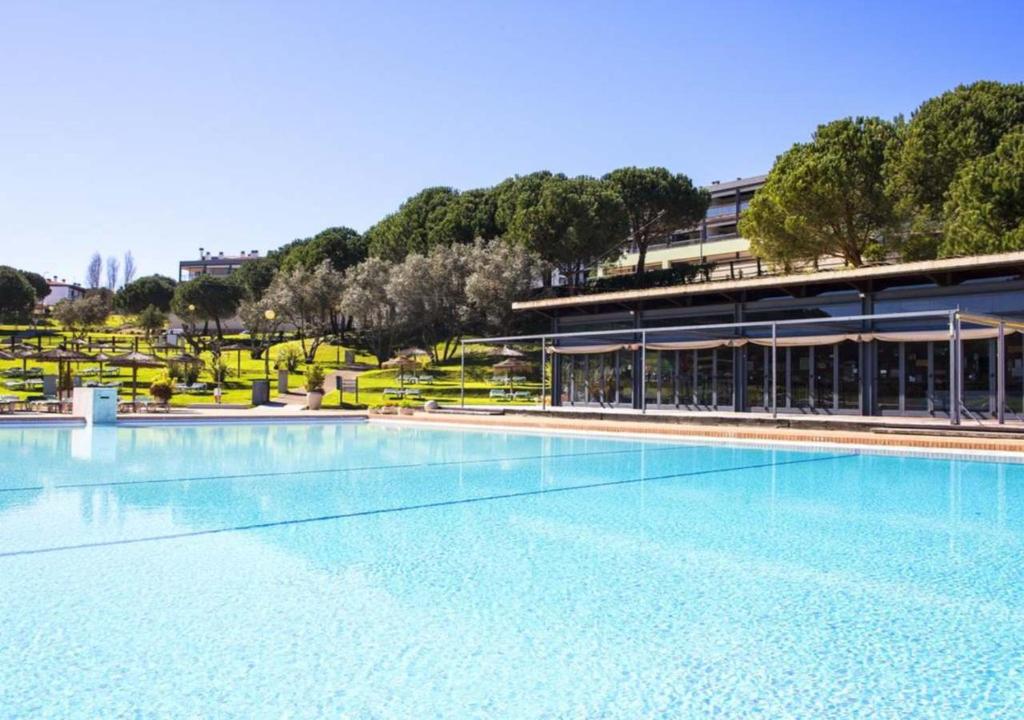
column 888, row 363
column 625, row 377
column 800, row 378
column 940, row 378
column 915, row 377
column 1015, row 376
column 723, row 378
column 824, row 378
column 758, row 372
column 685, row 374
column 848, row 392
column 705, row 381
column 979, row 385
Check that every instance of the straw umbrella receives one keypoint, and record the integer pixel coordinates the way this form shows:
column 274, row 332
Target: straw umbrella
column 509, row 366
column 4, row 355
column 135, row 360
column 505, row 351
column 101, row 357
column 60, row 355
column 402, row 363
column 411, row 352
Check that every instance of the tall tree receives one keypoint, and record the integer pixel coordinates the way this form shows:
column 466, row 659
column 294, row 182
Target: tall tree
column 826, row 197
column 573, row 223
column 434, row 216
column 429, row 296
column 112, row 270
column 342, row 247
column 255, row 276
column 309, row 301
column 943, row 134
column 17, row 298
column 205, row 299
column 156, row 290
column 499, row 274
column 94, row 271
column 37, row 281
column 81, row 315
column 365, row 298
column 129, row 267
column 657, row 203
column 984, row 210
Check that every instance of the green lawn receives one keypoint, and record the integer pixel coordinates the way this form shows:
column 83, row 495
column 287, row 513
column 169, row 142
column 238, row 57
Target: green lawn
column 244, row 369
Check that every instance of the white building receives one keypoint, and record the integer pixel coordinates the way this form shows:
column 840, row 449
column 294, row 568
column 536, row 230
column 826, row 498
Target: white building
column 61, row 290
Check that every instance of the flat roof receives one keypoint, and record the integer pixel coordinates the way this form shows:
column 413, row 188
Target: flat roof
column 923, row 267
column 730, row 185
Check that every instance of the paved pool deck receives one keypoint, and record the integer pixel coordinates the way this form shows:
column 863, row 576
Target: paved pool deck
column 915, row 433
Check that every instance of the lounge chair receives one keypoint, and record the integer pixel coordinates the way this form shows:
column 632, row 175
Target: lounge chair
column 521, row 395
column 393, row 392
column 497, row 394
column 412, row 392
column 426, row 379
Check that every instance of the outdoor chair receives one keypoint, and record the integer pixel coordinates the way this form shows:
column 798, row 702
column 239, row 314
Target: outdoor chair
column 497, row 394
column 426, row 379
column 521, row 395
column 412, row 392
column 393, row 392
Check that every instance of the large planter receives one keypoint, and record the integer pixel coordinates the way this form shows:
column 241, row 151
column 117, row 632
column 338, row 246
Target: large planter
column 314, row 399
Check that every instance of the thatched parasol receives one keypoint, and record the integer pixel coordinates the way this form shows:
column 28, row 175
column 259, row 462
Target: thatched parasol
column 101, row 357
column 135, row 360
column 505, row 351
column 403, row 363
column 60, row 355
column 4, row 355
column 509, row 366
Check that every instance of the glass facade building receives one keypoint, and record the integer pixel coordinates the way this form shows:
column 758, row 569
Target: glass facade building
column 866, row 341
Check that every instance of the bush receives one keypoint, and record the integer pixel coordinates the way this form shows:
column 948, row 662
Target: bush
column 288, row 358
column 219, row 370
column 315, row 378
column 187, row 373
column 162, row 388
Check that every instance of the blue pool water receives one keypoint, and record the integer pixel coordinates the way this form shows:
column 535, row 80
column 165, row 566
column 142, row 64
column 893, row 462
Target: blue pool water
column 375, row 571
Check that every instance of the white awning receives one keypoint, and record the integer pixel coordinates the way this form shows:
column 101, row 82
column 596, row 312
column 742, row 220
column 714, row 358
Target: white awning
column 589, row 349
column 938, row 335
column 697, row 344
column 808, row 340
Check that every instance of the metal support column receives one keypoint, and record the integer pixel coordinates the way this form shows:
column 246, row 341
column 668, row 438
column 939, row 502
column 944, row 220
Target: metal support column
column 1001, row 374
column 954, row 370
column 775, row 379
column 643, row 372
column 462, row 376
column 543, row 373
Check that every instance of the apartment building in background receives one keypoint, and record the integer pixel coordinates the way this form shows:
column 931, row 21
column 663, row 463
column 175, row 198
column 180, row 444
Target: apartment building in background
column 209, row 263
column 715, row 240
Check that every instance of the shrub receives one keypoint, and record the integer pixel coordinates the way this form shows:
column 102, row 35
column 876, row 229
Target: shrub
column 219, row 370
column 288, row 358
column 187, row 373
column 314, row 378
column 162, row 388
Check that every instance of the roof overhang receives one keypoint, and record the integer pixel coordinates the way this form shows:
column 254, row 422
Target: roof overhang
column 855, row 275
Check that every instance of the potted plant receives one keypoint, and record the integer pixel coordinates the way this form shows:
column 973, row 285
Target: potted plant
column 406, row 407
column 314, row 387
column 162, row 389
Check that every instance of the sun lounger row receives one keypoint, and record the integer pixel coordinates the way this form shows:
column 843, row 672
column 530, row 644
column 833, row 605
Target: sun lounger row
column 402, row 392
column 506, row 395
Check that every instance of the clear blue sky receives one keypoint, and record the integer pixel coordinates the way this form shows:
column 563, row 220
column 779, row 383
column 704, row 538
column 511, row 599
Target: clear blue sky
column 163, row 127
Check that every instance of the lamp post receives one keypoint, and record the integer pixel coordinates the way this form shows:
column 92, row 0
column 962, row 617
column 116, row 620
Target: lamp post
column 269, row 314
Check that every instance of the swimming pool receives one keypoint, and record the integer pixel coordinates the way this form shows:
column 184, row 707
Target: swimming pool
column 381, row 571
